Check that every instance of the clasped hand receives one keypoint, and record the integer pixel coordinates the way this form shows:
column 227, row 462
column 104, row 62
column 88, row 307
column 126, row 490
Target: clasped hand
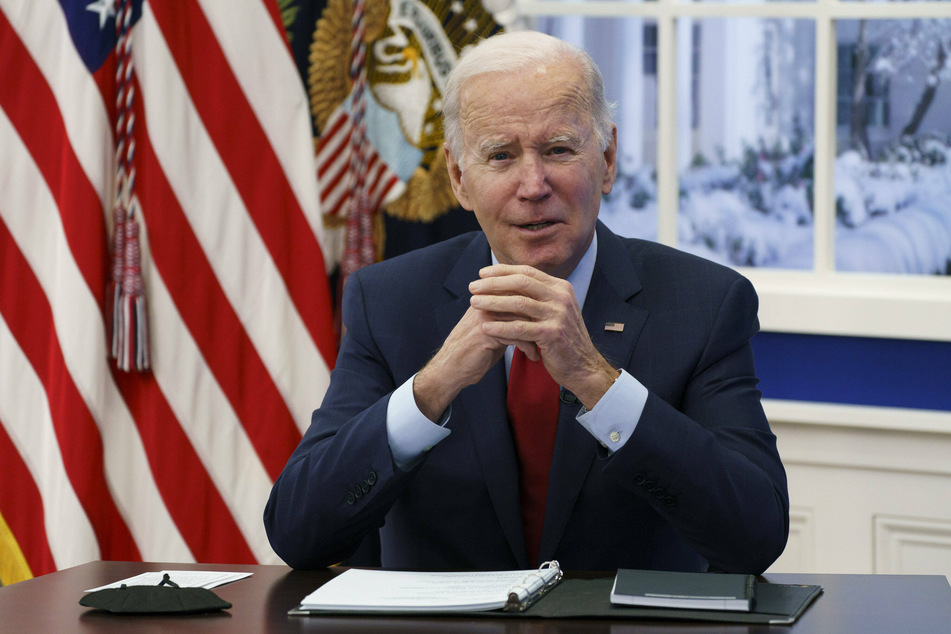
column 521, row 306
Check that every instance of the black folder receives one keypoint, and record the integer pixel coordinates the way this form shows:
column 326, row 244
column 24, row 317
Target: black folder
column 590, row 598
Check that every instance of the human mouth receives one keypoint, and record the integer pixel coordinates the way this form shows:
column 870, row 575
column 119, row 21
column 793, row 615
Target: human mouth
column 536, row 226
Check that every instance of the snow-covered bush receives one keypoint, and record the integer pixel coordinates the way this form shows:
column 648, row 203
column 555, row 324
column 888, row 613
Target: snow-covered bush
column 894, row 215
column 756, row 211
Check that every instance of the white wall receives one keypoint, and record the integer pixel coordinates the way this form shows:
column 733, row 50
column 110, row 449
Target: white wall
column 869, row 488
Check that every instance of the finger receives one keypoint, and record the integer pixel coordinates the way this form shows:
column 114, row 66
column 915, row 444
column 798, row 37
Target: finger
column 488, row 315
column 514, row 332
column 545, row 288
column 501, row 270
column 503, row 285
column 509, row 307
column 529, row 349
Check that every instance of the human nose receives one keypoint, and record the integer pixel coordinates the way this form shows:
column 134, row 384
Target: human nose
column 533, row 179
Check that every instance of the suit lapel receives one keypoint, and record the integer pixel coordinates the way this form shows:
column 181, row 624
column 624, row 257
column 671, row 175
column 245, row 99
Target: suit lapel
column 613, row 283
column 479, row 411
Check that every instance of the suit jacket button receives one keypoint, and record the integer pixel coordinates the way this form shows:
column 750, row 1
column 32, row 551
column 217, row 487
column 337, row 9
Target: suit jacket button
column 649, row 486
column 639, row 478
column 364, row 486
column 357, row 493
column 371, row 478
column 351, row 498
column 669, row 501
column 659, row 493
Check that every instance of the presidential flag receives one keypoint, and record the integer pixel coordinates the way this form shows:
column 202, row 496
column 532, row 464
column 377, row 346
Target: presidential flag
column 157, row 183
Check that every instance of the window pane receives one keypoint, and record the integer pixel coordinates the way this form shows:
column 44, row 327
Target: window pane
column 745, row 133
column 625, row 50
column 892, row 172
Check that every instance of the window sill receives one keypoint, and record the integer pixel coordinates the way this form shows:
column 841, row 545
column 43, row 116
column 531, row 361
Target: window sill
column 853, row 304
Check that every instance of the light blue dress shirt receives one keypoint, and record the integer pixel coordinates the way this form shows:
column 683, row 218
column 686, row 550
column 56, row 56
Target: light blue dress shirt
column 612, row 421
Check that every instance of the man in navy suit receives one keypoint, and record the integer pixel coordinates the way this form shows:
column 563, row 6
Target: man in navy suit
column 662, row 456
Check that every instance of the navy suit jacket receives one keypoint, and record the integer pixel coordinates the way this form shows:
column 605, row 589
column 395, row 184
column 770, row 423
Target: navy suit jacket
column 699, row 484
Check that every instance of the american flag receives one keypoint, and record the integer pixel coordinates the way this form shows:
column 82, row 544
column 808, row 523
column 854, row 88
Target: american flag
column 173, row 463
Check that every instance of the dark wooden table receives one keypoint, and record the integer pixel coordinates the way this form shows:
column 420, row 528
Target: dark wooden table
column 850, row 603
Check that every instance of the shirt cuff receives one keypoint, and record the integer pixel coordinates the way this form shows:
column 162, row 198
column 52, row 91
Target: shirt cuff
column 614, row 418
column 409, row 433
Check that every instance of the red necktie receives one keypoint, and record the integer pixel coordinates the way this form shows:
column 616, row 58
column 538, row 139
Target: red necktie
column 532, row 405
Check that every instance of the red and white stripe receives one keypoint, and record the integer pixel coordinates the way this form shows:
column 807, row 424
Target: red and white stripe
column 173, row 464
column 333, row 169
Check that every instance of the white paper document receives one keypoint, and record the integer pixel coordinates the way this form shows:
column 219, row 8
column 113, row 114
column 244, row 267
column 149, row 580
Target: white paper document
column 183, row 578
column 396, row 591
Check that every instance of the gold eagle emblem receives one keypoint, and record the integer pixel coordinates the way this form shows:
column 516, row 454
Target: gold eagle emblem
column 411, row 47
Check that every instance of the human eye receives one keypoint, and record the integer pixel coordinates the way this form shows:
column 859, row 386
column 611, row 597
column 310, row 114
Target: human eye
column 561, row 151
column 562, row 146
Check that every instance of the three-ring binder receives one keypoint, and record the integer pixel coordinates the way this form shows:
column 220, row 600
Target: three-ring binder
column 533, row 587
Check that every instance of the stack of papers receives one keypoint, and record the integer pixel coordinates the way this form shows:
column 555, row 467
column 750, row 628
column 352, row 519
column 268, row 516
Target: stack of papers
column 184, row 579
column 395, row 591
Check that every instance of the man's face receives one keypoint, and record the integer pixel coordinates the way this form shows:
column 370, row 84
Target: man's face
column 534, row 172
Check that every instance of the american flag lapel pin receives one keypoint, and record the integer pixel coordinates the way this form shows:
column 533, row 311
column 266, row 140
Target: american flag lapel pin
column 613, row 326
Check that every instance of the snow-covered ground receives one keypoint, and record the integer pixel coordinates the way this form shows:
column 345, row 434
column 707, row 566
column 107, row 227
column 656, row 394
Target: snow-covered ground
column 892, row 216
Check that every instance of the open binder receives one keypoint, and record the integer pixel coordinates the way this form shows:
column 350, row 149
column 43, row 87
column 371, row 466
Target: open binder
column 359, row 591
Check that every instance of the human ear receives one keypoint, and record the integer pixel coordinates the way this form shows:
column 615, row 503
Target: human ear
column 610, row 163
column 455, row 178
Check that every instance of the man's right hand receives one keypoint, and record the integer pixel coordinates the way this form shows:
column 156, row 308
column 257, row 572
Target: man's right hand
column 464, row 358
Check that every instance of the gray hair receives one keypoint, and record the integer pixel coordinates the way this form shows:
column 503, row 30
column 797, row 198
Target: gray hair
column 514, row 52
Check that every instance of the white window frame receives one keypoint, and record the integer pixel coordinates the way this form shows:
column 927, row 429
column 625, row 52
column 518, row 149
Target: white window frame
column 821, row 300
